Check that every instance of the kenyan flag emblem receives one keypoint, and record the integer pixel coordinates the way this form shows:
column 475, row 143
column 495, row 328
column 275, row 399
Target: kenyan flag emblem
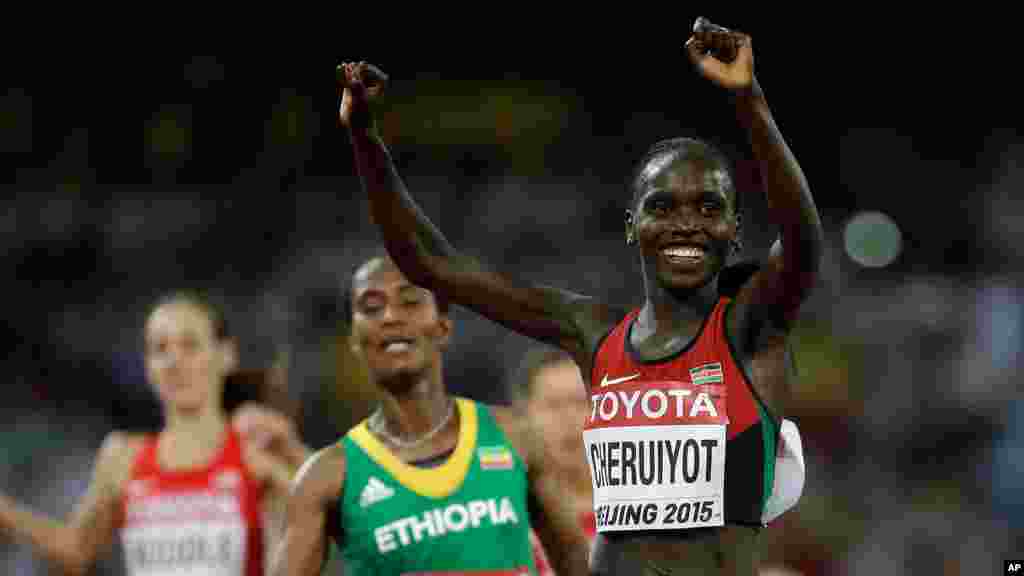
column 706, row 374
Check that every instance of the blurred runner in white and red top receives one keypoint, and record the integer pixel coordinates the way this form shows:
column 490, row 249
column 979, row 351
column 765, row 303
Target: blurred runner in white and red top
column 189, row 499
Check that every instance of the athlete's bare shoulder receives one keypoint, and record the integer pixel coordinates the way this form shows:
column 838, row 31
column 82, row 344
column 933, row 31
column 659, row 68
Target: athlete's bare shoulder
column 523, row 437
column 117, row 456
column 322, row 476
column 597, row 320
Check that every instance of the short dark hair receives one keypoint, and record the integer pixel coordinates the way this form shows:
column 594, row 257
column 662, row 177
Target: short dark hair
column 380, row 253
column 681, row 147
column 521, row 380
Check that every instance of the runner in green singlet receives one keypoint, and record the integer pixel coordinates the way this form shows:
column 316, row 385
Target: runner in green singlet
column 429, row 483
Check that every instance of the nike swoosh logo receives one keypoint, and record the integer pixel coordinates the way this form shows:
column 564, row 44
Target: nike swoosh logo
column 606, row 382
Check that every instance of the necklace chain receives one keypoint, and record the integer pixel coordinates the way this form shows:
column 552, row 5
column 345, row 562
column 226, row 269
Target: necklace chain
column 378, row 425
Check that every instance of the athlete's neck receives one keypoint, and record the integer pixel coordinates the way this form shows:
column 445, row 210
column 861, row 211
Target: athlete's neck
column 418, row 408
column 668, row 314
column 192, row 435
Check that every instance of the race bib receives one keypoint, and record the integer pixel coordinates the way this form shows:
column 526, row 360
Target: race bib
column 656, row 451
column 172, row 550
column 195, row 534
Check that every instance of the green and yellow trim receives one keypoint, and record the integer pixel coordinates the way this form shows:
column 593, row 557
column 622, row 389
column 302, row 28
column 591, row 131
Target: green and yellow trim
column 437, row 482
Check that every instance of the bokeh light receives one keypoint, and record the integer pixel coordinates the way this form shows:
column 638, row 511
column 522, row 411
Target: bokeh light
column 872, row 239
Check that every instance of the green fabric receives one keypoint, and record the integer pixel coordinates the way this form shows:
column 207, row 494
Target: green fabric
column 482, row 526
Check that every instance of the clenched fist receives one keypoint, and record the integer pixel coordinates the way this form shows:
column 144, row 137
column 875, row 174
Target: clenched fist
column 358, row 84
column 723, row 56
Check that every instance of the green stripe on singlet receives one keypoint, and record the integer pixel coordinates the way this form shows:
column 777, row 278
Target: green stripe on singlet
column 769, row 433
column 770, row 425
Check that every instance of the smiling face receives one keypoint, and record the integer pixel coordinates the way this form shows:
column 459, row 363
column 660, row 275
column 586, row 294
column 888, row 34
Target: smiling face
column 683, row 217
column 396, row 326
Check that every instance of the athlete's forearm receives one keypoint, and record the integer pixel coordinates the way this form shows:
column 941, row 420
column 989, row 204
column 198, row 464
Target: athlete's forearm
column 790, row 204
column 303, row 550
column 301, row 553
column 57, row 541
column 416, row 245
column 427, row 259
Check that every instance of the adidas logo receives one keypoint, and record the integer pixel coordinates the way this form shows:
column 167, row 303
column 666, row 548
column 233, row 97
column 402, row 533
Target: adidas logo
column 374, row 492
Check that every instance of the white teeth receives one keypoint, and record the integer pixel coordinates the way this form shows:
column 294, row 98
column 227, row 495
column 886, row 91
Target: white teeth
column 684, row 252
column 397, row 347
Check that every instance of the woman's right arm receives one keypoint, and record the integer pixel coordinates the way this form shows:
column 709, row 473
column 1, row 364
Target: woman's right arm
column 317, row 487
column 422, row 253
column 75, row 544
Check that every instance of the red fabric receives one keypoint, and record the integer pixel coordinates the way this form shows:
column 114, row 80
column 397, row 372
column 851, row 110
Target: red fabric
column 226, row 473
column 614, row 361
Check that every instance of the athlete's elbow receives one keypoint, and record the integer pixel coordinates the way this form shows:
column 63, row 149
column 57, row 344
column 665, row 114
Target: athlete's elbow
column 408, row 257
column 800, row 261
column 808, row 265
column 815, row 246
column 421, row 267
column 812, row 239
column 420, row 271
column 796, row 290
